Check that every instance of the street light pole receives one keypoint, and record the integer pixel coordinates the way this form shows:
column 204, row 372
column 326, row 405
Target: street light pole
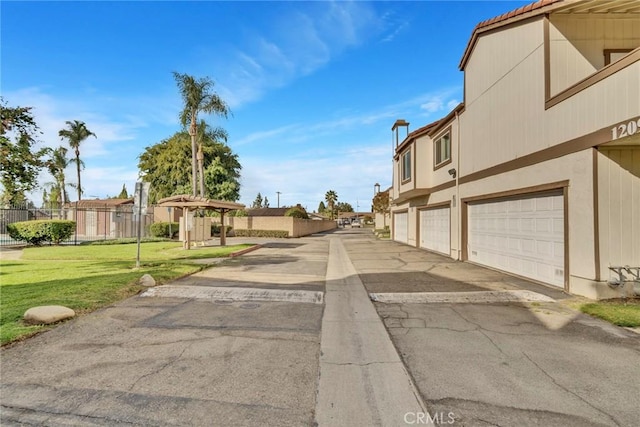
column 278, row 193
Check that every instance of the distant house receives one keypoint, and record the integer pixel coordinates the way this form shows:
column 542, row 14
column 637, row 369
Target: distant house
column 103, row 218
column 537, row 172
column 267, row 212
column 317, row 216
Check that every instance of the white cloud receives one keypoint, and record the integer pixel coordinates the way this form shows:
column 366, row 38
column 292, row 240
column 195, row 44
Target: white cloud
column 297, row 44
column 442, row 101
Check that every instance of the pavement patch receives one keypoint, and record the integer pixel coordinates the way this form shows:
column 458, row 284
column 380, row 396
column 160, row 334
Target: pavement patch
column 235, row 294
column 474, row 297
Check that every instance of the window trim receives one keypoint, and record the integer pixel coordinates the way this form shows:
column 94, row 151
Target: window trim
column 436, row 141
column 607, row 54
column 404, row 180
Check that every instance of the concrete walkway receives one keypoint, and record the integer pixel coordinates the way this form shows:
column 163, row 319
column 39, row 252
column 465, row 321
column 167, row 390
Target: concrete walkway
column 362, row 379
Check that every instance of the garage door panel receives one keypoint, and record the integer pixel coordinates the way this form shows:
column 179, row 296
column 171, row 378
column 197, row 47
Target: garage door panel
column 400, row 227
column 435, row 230
column 522, row 236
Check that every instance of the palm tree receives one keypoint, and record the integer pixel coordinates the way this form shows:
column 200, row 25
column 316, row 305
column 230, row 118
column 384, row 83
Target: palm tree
column 197, row 97
column 56, row 164
column 76, row 133
column 331, row 197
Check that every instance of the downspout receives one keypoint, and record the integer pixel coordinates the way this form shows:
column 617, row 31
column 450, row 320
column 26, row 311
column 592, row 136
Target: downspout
column 457, row 206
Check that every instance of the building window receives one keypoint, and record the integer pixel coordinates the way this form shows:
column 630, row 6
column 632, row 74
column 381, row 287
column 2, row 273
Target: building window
column 613, row 55
column 406, row 166
column 443, row 149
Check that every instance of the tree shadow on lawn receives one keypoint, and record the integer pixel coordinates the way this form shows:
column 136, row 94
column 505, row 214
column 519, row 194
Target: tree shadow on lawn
column 88, row 291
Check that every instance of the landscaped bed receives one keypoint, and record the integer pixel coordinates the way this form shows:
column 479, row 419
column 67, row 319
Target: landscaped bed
column 87, row 277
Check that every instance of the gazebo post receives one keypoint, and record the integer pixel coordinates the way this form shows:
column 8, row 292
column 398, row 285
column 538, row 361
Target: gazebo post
column 223, row 230
column 187, row 233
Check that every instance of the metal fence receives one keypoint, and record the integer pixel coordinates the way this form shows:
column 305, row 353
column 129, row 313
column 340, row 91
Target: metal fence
column 91, row 223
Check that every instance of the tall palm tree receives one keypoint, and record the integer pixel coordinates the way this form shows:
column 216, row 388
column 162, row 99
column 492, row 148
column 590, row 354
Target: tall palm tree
column 75, row 133
column 331, row 197
column 197, row 97
column 56, row 164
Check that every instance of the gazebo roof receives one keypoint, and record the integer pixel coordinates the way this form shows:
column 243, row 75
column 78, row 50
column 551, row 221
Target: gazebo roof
column 185, row 201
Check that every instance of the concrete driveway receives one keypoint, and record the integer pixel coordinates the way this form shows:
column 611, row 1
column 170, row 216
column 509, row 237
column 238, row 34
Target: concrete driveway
column 287, row 335
column 499, row 363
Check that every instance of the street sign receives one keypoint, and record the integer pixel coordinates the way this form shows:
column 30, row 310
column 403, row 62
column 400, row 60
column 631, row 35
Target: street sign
column 139, row 208
column 141, row 198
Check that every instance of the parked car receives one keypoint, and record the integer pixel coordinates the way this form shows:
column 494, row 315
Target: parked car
column 356, row 223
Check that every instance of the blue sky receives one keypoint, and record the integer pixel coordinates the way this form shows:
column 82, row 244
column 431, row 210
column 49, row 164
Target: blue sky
column 314, row 87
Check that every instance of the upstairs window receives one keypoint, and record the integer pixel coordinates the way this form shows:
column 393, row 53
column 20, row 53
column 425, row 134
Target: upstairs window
column 443, row 149
column 613, row 55
column 406, row 166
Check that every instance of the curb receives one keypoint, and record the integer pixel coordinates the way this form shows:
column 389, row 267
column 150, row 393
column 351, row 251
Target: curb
column 244, row 251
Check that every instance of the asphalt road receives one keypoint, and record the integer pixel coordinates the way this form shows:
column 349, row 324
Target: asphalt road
column 302, row 344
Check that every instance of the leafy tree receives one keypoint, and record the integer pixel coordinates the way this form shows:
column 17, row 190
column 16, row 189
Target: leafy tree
column 257, row 203
column 297, row 212
column 331, row 197
column 381, row 202
column 197, row 97
column 76, row 133
column 123, row 194
column 265, row 203
column 19, row 162
column 321, row 207
column 220, row 182
column 166, row 166
column 344, row 207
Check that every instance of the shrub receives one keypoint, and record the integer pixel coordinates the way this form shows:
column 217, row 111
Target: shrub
column 261, row 233
column 161, row 229
column 42, row 231
column 239, row 213
column 215, row 229
column 297, row 212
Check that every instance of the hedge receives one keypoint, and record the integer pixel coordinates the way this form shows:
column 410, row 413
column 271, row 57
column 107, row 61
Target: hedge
column 261, row 233
column 42, row 231
column 161, row 229
column 215, row 229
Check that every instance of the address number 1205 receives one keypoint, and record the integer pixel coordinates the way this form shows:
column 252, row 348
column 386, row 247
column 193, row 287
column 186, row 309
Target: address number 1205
column 625, row 129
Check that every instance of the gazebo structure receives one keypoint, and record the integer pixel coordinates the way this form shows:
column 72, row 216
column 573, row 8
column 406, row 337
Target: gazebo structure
column 188, row 203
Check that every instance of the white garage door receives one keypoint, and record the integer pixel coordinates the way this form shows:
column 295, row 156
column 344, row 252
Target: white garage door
column 400, row 227
column 435, row 230
column 523, row 236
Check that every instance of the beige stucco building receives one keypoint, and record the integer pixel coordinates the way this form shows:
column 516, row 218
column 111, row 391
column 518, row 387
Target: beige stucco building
column 537, row 172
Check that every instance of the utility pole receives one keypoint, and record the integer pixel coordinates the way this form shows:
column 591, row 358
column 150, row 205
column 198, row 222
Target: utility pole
column 278, row 193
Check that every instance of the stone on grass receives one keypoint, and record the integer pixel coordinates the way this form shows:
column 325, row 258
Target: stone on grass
column 46, row 314
column 147, row 280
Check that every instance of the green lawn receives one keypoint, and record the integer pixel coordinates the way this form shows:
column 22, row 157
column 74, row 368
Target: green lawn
column 87, row 277
column 619, row 312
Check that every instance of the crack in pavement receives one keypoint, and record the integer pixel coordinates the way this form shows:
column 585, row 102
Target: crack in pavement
column 161, row 368
column 611, row 417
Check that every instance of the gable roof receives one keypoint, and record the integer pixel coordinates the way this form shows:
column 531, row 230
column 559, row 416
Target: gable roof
column 100, row 203
column 525, row 12
column 185, row 201
column 416, row 133
column 542, row 7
